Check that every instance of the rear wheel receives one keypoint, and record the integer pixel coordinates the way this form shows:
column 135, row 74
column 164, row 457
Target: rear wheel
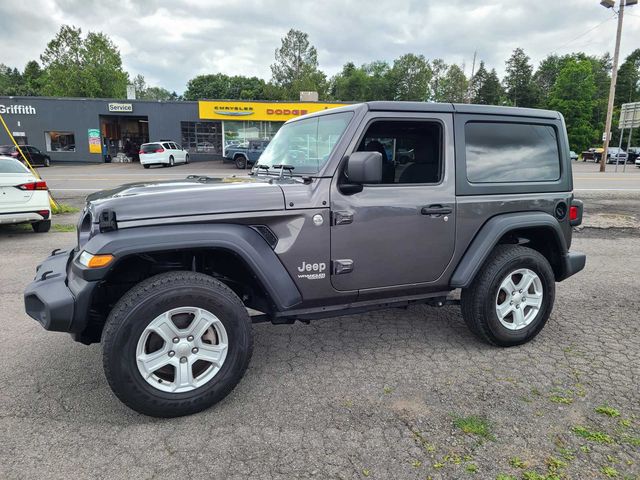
column 171, row 161
column 186, row 159
column 241, row 162
column 511, row 298
column 146, row 166
column 47, row 162
column 42, row 226
column 176, row 344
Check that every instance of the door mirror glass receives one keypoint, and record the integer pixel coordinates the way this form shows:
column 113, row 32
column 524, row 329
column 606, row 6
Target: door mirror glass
column 364, row 167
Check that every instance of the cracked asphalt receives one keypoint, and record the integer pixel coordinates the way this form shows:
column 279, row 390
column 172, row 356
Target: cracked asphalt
column 366, row 396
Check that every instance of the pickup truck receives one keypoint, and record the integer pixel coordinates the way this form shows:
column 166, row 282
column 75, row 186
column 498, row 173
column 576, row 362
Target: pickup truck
column 247, row 153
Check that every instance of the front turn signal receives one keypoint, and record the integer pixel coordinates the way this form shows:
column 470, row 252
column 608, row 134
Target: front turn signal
column 90, row 260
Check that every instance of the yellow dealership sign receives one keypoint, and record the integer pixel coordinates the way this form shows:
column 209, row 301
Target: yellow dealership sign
column 266, row 111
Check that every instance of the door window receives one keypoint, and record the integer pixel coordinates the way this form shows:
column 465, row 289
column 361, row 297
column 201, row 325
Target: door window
column 411, row 150
column 167, row 146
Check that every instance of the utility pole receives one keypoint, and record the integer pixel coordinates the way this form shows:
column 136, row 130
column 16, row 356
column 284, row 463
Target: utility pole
column 612, row 89
column 473, row 71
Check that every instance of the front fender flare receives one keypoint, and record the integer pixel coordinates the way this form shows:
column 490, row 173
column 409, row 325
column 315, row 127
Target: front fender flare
column 238, row 239
column 492, row 231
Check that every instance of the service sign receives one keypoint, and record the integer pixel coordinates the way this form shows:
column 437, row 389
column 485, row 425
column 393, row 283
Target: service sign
column 121, row 107
column 265, row 111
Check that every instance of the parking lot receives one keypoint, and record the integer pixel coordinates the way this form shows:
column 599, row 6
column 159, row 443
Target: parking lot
column 379, row 395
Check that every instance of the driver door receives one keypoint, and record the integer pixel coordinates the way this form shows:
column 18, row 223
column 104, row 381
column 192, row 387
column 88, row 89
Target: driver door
column 401, row 231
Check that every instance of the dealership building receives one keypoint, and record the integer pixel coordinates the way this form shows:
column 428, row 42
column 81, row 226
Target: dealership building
column 90, row 129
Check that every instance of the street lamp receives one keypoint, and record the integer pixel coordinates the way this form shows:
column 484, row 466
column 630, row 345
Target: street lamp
column 614, row 75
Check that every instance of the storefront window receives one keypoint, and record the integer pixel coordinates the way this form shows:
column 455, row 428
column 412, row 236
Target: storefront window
column 60, row 141
column 202, row 137
column 237, row 133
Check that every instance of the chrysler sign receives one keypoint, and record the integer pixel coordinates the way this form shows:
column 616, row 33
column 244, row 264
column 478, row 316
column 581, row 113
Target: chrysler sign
column 121, row 107
column 17, row 109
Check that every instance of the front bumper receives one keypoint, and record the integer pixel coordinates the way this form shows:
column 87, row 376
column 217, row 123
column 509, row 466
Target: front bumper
column 572, row 263
column 58, row 299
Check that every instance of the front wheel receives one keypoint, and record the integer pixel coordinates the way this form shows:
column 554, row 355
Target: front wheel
column 47, row 162
column 146, row 166
column 241, row 162
column 511, row 298
column 176, row 344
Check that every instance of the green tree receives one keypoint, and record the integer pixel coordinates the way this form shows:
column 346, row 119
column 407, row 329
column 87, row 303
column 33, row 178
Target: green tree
column 491, row 91
column 477, row 81
column 411, row 76
column 573, row 94
column 10, row 81
column 296, row 66
column 518, row 82
column 438, row 71
column 545, row 77
column 628, row 83
column 351, row 84
column 32, row 78
column 379, row 83
column 83, row 67
column 221, row 86
column 454, row 85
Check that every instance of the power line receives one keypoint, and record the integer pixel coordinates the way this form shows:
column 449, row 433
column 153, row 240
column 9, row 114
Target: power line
column 583, row 34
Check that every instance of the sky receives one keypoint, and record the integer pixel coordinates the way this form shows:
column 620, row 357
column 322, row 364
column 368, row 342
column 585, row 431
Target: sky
column 170, row 42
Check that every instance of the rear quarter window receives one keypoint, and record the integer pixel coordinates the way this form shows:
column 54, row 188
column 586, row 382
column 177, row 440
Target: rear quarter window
column 499, row 152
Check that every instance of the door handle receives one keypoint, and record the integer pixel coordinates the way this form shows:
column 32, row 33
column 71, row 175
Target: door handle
column 436, row 210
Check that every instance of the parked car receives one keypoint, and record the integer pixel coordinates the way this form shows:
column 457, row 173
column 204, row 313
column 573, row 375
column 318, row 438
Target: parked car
column 246, row 154
column 616, row 155
column 593, row 154
column 33, row 154
column 166, row 273
column 162, row 153
column 23, row 197
column 573, row 155
column 633, row 153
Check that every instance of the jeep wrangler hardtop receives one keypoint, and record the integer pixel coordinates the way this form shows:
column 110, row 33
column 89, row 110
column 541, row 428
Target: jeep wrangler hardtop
column 367, row 206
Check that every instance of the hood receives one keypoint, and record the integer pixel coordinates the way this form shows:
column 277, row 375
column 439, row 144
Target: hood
column 190, row 196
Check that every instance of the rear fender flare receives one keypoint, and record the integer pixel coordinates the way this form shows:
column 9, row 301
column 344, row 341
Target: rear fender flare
column 490, row 234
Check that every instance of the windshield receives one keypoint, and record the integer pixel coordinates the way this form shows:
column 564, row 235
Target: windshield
column 306, row 144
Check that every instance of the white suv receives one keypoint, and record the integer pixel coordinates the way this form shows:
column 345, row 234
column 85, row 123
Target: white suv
column 162, row 153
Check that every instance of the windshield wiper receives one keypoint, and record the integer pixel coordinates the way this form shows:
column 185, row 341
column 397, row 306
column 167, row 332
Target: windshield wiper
column 283, row 167
column 258, row 167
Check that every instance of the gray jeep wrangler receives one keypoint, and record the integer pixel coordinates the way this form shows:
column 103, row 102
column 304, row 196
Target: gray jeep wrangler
column 369, row 206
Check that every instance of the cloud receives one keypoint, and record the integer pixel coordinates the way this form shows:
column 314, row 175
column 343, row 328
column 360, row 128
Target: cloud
column 170, row 42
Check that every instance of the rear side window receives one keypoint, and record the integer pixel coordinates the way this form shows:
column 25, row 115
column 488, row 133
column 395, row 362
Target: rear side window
column 150, row 147
column 167, row 146
column 511, row 152
column 12, row 166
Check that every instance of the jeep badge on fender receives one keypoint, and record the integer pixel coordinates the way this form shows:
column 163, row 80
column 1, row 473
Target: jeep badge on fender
column 422, row 198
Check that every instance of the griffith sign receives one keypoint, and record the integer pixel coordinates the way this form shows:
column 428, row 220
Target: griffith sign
column 17, row 109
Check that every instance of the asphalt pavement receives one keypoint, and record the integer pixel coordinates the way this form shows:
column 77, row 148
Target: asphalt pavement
column 398, row 394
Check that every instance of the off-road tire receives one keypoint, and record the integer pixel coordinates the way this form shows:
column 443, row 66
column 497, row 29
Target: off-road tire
column 144, row 302
column 241, row 162
column 478, row 301
column 42, row 226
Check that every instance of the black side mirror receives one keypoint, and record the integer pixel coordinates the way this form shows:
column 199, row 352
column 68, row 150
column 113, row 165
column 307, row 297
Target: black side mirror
column 364, row 167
